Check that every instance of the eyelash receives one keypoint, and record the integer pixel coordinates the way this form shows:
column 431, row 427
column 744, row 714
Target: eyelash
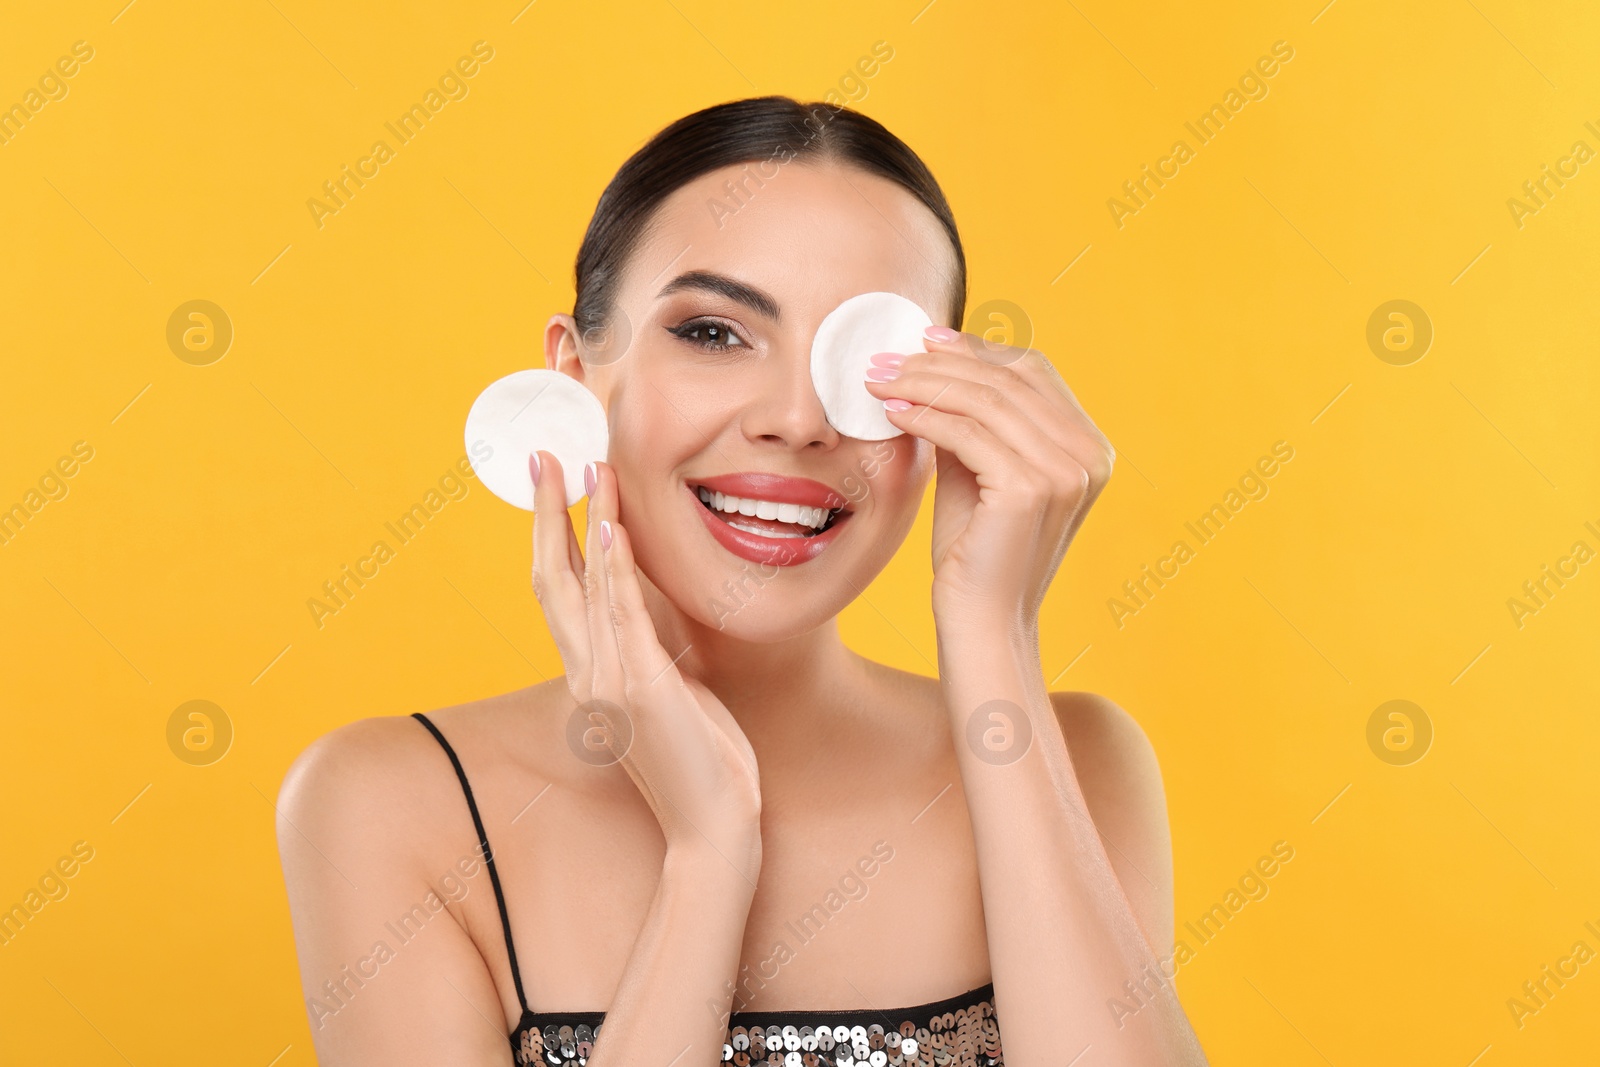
column 685, row 332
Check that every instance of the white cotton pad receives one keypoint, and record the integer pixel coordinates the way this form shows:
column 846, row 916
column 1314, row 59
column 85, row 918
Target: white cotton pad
column 842, row 352
column 525, row 412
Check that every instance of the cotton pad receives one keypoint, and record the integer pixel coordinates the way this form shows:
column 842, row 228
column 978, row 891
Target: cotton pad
column 842, row 352
column 525, row 412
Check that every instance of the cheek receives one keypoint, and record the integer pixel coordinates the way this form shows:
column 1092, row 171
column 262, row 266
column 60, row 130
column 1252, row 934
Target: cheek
column 649, row 434
column 896, row 472
column 669, row 407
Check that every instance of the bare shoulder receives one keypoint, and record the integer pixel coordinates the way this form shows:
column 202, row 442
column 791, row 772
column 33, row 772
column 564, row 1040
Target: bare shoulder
column 368, row 758
column 1102, row 737
column 1120, row 776
column 376, row 845
column 390, row 771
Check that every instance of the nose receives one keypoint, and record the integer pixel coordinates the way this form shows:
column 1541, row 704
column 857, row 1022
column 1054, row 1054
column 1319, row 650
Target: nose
column 786, row 410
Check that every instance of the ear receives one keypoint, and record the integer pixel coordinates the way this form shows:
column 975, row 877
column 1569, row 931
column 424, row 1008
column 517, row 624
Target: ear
column 561, row 338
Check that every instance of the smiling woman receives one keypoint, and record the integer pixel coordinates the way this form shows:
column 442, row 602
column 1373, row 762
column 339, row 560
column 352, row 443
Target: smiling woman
column 699, row 775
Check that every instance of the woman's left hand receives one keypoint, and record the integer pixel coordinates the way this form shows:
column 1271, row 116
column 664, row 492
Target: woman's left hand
column 1019, row 463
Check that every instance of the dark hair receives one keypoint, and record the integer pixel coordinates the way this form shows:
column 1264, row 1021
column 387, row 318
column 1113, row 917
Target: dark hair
column 742, row 131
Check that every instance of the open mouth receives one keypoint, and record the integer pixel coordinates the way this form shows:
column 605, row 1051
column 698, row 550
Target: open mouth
column 769, row 518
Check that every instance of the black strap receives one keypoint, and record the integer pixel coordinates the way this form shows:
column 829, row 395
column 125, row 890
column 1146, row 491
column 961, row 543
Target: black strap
column 488, row 856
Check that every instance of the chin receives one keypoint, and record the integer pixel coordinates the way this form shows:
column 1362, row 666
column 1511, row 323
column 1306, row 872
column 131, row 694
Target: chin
column 771, row 616
column 762, row 605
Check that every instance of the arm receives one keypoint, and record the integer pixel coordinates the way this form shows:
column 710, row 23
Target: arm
column 389, row 972
column 691, row 762
column 675, row 994
column 1019, row 465
column 1076, row 880
column 1120, row 777
column 351, row 822
column 350, row 813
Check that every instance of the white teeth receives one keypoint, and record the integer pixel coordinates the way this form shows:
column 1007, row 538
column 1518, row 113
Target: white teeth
column 752, row 528
column 799, row 514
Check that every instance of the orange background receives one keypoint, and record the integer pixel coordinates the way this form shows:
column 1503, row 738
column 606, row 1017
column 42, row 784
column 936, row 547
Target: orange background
column 1229, row 313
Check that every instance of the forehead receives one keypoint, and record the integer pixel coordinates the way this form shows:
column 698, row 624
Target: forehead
column 811, row 234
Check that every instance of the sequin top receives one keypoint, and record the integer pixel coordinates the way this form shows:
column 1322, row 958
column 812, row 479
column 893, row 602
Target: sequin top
column 961, row 1029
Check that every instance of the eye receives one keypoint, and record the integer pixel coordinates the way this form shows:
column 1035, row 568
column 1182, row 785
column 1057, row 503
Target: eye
column 708, row 335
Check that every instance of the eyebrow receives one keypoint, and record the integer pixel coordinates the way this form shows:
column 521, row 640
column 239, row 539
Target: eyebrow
column 722, row 285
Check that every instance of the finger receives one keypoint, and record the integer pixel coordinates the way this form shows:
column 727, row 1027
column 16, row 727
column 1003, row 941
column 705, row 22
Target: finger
column 644, row 661
column 606, row 670
column 554, row 540
column 1029, row 363
column 999, row 411
column 556, row 584
column 995, row 464
column 958, row 356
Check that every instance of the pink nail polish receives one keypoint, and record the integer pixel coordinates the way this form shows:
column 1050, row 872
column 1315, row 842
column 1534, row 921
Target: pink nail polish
column 883, row 374
column 897, row 405
column 605, row 534
column 588, row 478
column 533, row 466
column 888, row 359
column 939, row 333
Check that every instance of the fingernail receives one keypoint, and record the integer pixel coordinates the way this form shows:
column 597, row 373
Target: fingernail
column 533, row 466
column 883, row 374
column 605, row 534
column 897, row 405
column 939, row 333
column 888, row 359
column 588, row 478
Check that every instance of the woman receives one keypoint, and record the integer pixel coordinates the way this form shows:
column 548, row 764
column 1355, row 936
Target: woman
column 771, row 825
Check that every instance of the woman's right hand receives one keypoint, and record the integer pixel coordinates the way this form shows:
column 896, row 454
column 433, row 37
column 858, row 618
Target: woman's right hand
column 684, row 751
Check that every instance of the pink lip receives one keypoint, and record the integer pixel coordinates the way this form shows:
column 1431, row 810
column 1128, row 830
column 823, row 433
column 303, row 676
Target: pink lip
column 778, row 551
column 778, row 488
